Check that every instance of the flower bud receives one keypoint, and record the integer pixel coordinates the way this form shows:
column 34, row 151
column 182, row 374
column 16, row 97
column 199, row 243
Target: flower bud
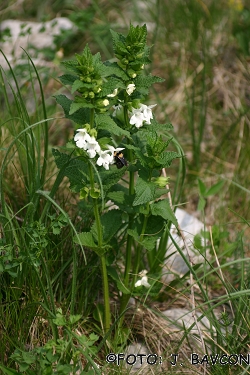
column 132, row 73
column 105, row 102
column 125, row 61
column 100, row 103
column 92, row 132
column 136, row 103
column 162, row 181
column 97, row 89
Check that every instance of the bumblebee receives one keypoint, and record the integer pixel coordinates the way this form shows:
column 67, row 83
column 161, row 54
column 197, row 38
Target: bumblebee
column 120, row 161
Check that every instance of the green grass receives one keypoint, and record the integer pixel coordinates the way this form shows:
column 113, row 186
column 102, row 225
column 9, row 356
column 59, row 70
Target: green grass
column 206, row 96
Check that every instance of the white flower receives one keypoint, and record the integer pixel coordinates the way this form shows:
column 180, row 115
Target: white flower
column 141, row 115
column 113, row 149
column 130, row 88
column 82, row 138
column 114, row 93
column 143, row 281
column 105, row 158
column 137, row 118
column 147, row 112
column 92, row 147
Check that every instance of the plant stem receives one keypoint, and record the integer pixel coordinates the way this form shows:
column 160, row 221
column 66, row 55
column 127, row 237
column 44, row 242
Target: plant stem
column 107, row 316
column 125, row 297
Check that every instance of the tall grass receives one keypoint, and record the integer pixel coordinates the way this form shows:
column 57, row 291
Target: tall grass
column 40, row 265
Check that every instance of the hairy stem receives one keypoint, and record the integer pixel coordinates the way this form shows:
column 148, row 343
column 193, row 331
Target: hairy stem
column 107, row 315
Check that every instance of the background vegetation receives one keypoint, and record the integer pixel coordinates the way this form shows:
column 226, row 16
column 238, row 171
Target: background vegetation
column 202, row 49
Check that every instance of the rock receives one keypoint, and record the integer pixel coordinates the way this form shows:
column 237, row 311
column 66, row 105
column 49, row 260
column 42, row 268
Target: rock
column 174, row 263
column 31, row 36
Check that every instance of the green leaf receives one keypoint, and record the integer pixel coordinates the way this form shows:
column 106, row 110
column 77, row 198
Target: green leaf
column 202, row 187
column 147, row 241
column 162, row 208
column 60, row 320
column 110, row 177
column 68, row 79
column 123, row 200
column 8, row 371
column 215, row 188
column 76, row 85
column 201, row 203
column 111, row 223
column 118, row 197
column 82, row 116
column 105, row 122
column 74, row 318
column 87, row 239
column 154, row 124
column 113, row 273
column 29, row 358
column 112, row 84
column 76, row 106
column 114, row 69
column 143, row 83
column 71, row 65
column 144, row 192
column 74, row 168
column 165, row 158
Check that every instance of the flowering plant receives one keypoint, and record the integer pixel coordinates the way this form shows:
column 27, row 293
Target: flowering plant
column 117, row 155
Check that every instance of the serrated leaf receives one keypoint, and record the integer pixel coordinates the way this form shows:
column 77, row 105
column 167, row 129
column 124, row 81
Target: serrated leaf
column 105, row 122
column 118, row 40
column 68, row 79
column 81, row 117
column 162, row 208
column 112, row 84
column 74, row 168
column 76, row 106
column 165, row 158
column 110, row 177
column 70, row 65
column 156, row 126
column 143, row 83
column 144, row 192
column 147, row 241
column 111, row 223
column 114, row 69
